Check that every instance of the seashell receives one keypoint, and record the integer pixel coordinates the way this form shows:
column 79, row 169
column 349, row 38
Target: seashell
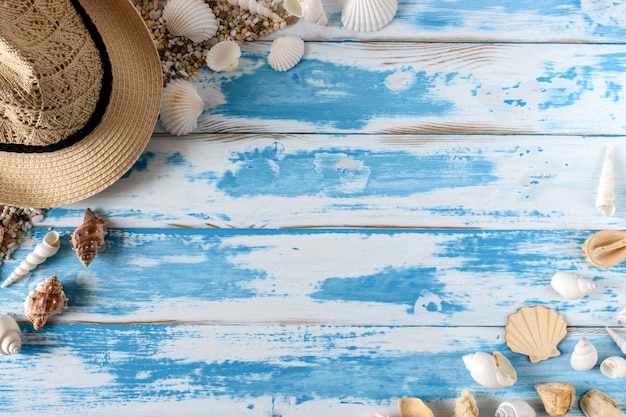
column 45, row 301
column 614, row 367
column 253, row 6
column 584, row 356
column 10, row 335
column 595, row 403
column 605, row 200
column 557, row 397
column 223, row 56
column 414, row 407
column 311, row 10
column 368, row 15
column 535, row 331
column 285, row 53
column 618, row 339
column 491, row 371
column 605, row 248
column 192, row 19
column 181, row 106
column 621, row 317
column 515, row 408
column 571, row 286
column 49, row 246
column 465, row 405
column 88, row 238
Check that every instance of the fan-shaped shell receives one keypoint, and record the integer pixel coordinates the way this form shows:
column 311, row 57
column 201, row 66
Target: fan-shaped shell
column 181, row 106
column 535, row 331
column 285, row 53
column 10, row 335
column 223, row 56
column 46, row 300
column 515, row 408
column 88, row 238
column 368, row 15
column 584, row 356
column 192, row 19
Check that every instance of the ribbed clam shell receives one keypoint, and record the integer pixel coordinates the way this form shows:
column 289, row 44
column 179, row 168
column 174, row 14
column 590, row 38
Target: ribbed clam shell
column 285, row 53
column 223, row 56
column 10, row 335
column 368, row 15
column 192, row 19
column 584, row 356
column 180, row 107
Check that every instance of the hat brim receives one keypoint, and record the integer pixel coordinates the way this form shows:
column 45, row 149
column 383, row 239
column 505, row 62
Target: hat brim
column 79, row 171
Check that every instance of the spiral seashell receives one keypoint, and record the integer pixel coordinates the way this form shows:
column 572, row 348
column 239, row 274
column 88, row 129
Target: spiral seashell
column 605, row 248
column 618, row 339
column 605, row 200
column 368, row 15
column 310, row 10
column 595, row 403
column 584, row 356
column 181, row 106
column 285, row 53
column 515, row 408
column 45, row 301
column 48, row 247
column 192, row 19
column 614, row 367
column 557, row 397
column 414, row 407
column 465, row 405
column 253, row 6
column 88, row 238
column 491, row 371
column 223, row 56
column 571, row 286
column 621, row 317
column 10, row 335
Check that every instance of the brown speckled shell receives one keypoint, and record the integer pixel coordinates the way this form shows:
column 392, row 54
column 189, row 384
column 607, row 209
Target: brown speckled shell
column 88, row 238
column 47, row 299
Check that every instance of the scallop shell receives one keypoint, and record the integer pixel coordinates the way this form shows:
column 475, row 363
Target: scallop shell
column 88, row 238
column 618, row 339
column 10, row 335
column 181, row 106
column 368, row 15
column 570, row 286
column 48, row 247
column 535, row 331
column 621, row 317
column 491, row 371
column 595, row 403
column 605, row 200
column 465, row 405
column 192, row 19
column 605, row 248
column 310, row 10
column 414, row 407
column 223, row 56
column 614, row 367
column 584, row 356
column 45, row 301
column 557, row 397
column 515, row 408
column 285, row 53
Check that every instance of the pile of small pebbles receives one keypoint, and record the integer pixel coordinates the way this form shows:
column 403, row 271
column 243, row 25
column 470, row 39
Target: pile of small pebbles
column 13, row 222
column 181, row 58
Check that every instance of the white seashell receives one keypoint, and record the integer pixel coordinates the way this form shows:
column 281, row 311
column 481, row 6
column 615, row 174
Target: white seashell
column 10, row 335
column 571, row 286
column 621, row 317
column 368, row 15
column 491, row 371
column 311, row 10
column 285, row 53
column 253, row 6
column 515, row 408
column 192, row 19
column 48, row 247
column 181, row 106
column 619, row 340
column 223, row 56
column 605, row 201
column 614, row 367
column 584, row 356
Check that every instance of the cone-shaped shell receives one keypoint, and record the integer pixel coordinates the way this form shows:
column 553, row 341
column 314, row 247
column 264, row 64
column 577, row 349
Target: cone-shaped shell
column 535, row 331
column 88, row 238
column 310, row 10
column 584, row 356
column 614, row 367
column 621, row 317
column 368, row 15
column 618, row 339
column 285, row 53
column 414, row 407
column 605, row 248
column 192, row 19
column 45, row 249
column 223, row 56
column 45, row 301
column 465, row 405
column 491, row 371
column 595, row 403
column 570, row 286
column 515, row 408
column 181, row 106
column 557, row 397
column 10, row 335
column 605, row 200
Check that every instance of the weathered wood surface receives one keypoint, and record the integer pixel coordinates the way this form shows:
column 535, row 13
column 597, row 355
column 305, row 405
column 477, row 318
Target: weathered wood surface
column 338, row 236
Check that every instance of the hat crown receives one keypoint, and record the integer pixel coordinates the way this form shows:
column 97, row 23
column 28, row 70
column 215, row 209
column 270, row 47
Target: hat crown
column 50, row 72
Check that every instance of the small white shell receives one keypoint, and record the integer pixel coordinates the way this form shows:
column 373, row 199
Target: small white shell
column 515, row 408
column 180, row 107
column 621, row 317
column 614, row 367
column 285, row 53
column 605, row 201
column 192, row 19
column 571, row 286
column 311, row 10
column 618, row 339
column 368, row 15
column 223, row 56
column 48, row 247
column 491, row 371
column 584, row 356
column 10, row 335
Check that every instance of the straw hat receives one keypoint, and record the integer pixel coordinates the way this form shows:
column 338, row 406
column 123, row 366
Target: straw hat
column 80, row 90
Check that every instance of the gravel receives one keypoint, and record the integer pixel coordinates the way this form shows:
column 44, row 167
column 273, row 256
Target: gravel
column 13, row 222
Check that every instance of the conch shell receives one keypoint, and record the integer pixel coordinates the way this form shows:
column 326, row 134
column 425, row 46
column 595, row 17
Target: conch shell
column 491, row 371
column 619, row 340
column 10, row 335
column 570, row 286
column 465, row 405
column 515, row 408
column 605, row 248
column 46, row 300
column 595, row 403
column 557, row 397
column 614, row 367
column 48, row 247
column 584, row 356
column 605, row 201
column 88, row 238
column 414, row 407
